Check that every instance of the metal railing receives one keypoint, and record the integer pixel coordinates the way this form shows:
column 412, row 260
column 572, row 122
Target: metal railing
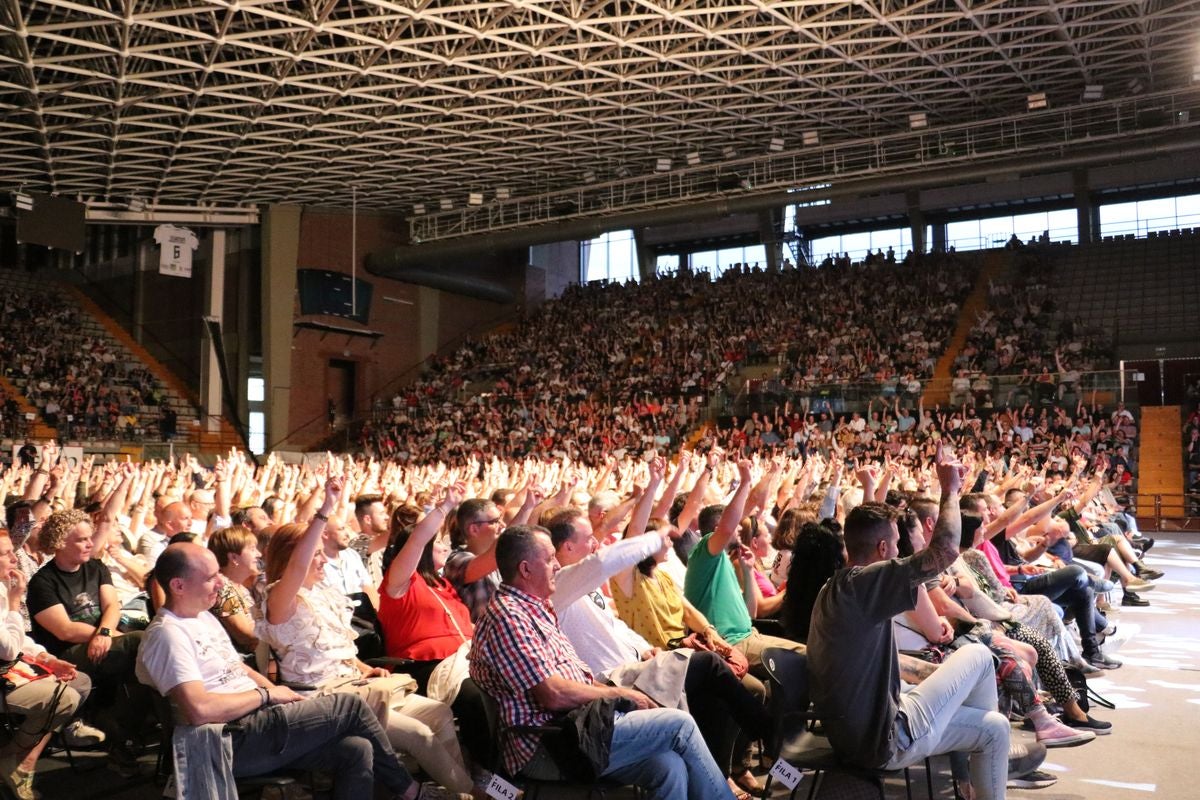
column 810, row 171
column 1180, row 511
column 837, row 397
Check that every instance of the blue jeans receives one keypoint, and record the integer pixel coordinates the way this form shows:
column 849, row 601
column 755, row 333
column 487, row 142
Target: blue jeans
column 337, row 733
column 661, row 751
column 1070, row 587
column 955, row 710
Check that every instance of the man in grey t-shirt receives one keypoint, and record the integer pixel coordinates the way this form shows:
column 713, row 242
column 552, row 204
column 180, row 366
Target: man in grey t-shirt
column 856, row 671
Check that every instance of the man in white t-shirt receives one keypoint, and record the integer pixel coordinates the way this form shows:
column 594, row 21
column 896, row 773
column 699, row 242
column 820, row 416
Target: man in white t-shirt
column 187, row 656
column 344, row 567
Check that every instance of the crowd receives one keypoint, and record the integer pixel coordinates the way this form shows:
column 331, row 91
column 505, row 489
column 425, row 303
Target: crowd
column 1022, row 334
column 78, row 382
column 629, row 367
column 630, row 601
column 1049, row 437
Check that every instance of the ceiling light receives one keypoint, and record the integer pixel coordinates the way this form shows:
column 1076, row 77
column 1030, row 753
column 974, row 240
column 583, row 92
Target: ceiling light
column 811, row 138
column 446, row 204
column 693, row 158
column 1035, row 102
column 1135, row 86
column 503, row 193
column 729, row 153
column 776, row 145
column 475, row 199
column 418, row 208
column 589, row 177
column 1093, row 91
column 918, row 121
column 662, row 165
column 137, row 204
column 23, row 201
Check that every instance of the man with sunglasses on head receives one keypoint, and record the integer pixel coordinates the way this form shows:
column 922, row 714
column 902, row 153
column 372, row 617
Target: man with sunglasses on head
column 471, row 568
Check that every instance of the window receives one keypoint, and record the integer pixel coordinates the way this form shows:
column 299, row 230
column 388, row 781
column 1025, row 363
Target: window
column 986, row 232
column 667, row 264
column 258, row 432
column 715, row 262
column 857, row 244
column 256, row 390
column 1142, row 216
column 611, row 256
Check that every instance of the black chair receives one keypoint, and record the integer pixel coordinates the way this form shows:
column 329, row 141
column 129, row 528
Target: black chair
column 252, row 786
column 795, row 740
column 494, row 760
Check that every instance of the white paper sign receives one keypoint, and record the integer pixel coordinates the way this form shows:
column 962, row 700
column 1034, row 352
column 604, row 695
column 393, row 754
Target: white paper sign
column 501, row 789
column 785, row 773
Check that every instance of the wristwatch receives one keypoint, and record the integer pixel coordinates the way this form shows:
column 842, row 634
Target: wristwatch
column 104, row 632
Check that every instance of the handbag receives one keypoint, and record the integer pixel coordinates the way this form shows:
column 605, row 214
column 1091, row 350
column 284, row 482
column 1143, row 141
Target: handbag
column 447, row 677
column 1087, row 695
column 21, row 671
column 737, row 662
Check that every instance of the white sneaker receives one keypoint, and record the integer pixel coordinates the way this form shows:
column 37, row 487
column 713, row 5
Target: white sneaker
column 79, row 734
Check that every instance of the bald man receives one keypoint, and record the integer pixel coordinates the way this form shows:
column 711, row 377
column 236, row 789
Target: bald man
column 174, row 518
column 188, row 657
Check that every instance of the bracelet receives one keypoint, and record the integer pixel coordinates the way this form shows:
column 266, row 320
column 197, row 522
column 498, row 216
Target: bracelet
column 40, row 471
column 320, row 516
column 264, row 695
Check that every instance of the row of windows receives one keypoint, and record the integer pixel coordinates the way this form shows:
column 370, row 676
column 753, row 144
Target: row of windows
column 613, row 256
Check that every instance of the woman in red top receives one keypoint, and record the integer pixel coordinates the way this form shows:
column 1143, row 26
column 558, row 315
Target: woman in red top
column 421, row 615
column 422, row 618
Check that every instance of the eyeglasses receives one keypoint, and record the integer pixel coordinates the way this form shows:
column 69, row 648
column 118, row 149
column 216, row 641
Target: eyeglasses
column 491, row 521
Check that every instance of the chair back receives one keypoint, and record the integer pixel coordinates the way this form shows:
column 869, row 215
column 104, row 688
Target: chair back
column 787, row 672
column 490, row 760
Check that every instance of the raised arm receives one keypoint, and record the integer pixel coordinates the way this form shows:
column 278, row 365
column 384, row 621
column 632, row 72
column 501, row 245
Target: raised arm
column 727, row 525
column 943, row 544
column 695, row 500
column 281, row 604
column 400, row 573
column 662, row 508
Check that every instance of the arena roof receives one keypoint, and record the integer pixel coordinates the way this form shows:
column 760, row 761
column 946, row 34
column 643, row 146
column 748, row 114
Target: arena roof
column 422, row 101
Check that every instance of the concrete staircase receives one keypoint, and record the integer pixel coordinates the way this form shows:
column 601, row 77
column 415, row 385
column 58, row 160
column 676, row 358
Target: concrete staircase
column 937, row 388
column 191, row 435
column 191, row 427
column 1160, row 461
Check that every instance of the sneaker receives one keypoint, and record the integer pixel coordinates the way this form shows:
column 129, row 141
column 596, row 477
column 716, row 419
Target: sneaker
column 1098, row 659
column 1032, row 780
column 17, row 780
column 1087, row 669
column 1056, row 734
column 1147, row 573
column 1091, row 724
column 79, row 734
column 1139, row 585
column 1103, row 586
column 1024, row 758
column 1131, row 599
column 1143, row 543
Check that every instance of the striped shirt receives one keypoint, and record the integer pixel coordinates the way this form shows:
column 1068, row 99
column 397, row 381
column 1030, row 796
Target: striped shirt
column 518, row 645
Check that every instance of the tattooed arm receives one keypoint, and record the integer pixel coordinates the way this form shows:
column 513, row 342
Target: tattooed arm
column 943, row 544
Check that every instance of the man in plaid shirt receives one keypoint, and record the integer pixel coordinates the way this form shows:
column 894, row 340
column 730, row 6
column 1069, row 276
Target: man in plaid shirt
column 521, row 657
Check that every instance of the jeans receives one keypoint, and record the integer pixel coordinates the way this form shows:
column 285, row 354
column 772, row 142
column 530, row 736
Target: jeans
column 716, row 697
column 953, row 710
column 661, row 751
column 337, row 732
column 1071, row 587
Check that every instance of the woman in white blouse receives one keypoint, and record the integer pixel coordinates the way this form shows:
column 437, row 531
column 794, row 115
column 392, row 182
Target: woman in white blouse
column 307, row 623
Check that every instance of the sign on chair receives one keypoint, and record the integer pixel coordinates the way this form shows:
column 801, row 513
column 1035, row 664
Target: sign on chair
column 785, row 773
column 501, row 789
